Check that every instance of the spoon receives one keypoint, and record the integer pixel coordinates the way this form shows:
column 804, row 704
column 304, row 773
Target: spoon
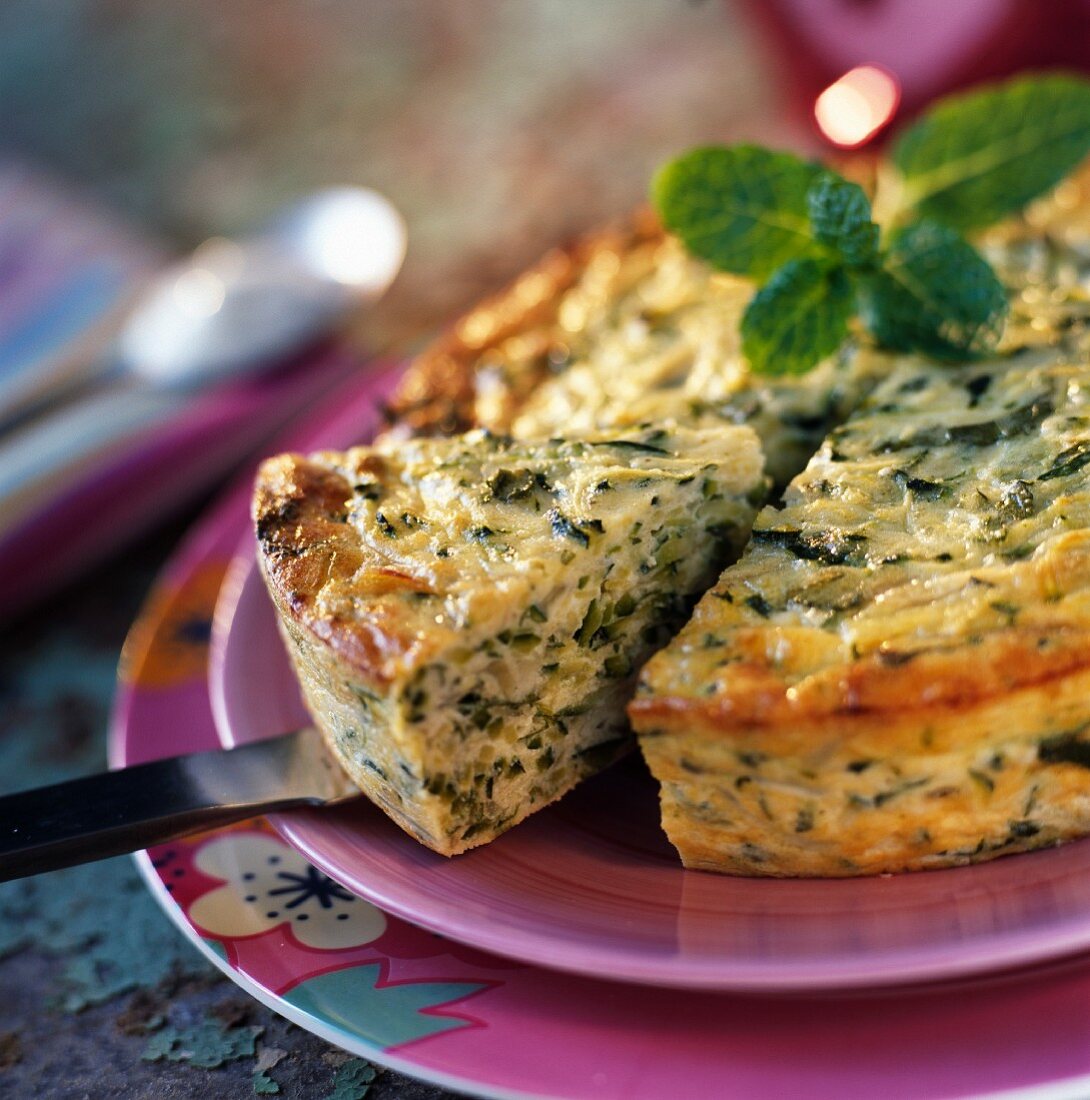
column 235, row 307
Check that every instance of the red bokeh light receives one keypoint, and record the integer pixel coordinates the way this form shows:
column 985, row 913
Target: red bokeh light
column 851, row 110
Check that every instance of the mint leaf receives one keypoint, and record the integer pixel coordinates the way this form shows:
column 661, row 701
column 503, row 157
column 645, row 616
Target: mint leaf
column 797, row 318
column 935, row 294
column 975, row 158
column 742, row 209
column 840, row 217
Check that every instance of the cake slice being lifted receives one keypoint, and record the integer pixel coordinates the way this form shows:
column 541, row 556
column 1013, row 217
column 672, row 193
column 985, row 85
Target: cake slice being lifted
column 465, row 614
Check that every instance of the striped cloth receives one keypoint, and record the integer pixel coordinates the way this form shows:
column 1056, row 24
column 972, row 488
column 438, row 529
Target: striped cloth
column 67, row 272
column 78, row 481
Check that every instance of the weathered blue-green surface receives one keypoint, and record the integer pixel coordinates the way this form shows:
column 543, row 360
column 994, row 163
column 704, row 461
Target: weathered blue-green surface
column 100, row 995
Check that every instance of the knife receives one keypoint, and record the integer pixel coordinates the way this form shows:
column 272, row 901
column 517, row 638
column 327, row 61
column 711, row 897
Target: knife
column 136, row 807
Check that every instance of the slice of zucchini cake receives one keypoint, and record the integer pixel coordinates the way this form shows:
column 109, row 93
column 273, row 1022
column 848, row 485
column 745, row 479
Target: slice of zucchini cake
column 896, row 675
column 466, row 614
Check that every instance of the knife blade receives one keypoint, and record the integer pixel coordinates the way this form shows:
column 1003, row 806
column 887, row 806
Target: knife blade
column 115, row 812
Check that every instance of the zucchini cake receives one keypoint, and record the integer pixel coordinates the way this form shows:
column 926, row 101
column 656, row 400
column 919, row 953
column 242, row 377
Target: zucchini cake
column 896, row 675
column 465, row 614
column 864, row 692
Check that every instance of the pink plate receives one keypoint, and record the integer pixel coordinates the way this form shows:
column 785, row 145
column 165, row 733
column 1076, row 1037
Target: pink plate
column 591, row 886
column 451, row 1014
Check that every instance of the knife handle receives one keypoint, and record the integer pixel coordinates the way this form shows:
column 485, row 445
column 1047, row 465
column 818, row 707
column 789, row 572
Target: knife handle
column 123, row 811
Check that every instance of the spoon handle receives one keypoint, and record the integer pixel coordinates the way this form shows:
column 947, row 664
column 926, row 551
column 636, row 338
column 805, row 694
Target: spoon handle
column 123, row 811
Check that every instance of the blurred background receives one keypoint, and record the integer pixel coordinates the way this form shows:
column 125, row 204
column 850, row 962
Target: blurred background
column 497, row 126
column 133, row 130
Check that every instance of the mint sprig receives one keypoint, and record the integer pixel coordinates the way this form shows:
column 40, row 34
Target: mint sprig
column 808, row 238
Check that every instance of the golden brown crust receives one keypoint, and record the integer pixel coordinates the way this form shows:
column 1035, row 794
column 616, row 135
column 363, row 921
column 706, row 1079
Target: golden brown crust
column 306, row 546
column 438, row 391
column 791, row 673
column 932, row 681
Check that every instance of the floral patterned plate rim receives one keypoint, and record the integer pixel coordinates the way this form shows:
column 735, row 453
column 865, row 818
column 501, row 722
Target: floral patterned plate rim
column 431, row 1007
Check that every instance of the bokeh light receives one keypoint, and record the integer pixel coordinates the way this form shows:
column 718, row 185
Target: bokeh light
column 857, row 105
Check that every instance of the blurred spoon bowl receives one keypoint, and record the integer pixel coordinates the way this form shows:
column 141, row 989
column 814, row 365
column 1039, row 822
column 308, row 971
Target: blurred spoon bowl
column 235, row 307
